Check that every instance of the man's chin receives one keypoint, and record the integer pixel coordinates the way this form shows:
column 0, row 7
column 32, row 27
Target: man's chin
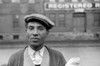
column 34, row 43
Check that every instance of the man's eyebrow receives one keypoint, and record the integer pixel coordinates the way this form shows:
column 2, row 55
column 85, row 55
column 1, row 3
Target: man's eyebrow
column 30, row 26
column 41, row 26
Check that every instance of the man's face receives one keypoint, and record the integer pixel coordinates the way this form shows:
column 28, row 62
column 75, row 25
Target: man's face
column 36, row 33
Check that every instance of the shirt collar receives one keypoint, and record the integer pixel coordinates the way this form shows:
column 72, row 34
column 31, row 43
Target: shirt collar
column 31, row 51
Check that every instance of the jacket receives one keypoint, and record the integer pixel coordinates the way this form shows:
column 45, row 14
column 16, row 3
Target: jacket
column 56, row 58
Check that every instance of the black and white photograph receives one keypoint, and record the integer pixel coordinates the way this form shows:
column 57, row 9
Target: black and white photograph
column 49, row 32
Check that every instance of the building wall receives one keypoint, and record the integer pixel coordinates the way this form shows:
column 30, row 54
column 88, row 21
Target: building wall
column 5, row 24
column 12, row 13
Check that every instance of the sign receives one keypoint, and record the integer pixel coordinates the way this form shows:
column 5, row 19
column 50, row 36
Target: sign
column 69, row 6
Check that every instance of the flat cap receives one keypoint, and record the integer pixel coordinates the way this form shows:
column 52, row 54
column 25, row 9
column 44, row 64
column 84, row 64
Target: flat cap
column 41, row 19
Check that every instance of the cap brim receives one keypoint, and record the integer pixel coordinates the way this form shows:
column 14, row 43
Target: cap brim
column 39, row 20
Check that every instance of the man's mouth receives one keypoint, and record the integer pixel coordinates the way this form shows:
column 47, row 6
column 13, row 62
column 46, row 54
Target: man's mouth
column 35, row 39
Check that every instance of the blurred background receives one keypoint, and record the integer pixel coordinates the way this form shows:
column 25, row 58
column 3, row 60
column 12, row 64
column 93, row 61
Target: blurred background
column 76, row 32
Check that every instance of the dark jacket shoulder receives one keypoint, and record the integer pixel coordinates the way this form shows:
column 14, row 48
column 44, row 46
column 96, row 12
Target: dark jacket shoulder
column 14, row 58
column 55, row 52
column 56, row 57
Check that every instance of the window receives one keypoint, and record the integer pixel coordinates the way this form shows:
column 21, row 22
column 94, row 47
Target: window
column 1, row 37
column 61, row 20
column 15, row 1
column 52, row 17
column 52, row 0
column 15, row 37
column 97, row 19
column 15, row 21
column 31, row 1
column 61, row 0
column 74, row 0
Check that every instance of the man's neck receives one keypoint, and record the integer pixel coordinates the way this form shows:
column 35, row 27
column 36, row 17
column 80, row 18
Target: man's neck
column 36, row 48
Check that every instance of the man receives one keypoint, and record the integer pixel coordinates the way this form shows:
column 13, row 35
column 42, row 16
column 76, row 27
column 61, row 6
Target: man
column 36, row 53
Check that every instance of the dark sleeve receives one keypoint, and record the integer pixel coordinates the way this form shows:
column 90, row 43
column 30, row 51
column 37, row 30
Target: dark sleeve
column 56, row 57
column 59, row 58
column 62, row 60
column 16, row 59
column 11, row 61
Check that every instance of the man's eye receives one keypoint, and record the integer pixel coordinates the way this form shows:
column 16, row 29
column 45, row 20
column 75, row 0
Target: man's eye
column 41, row 28
column 31, row 28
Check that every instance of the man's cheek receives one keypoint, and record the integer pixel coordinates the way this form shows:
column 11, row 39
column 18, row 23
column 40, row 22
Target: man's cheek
column 28, row 35
column 44, row 36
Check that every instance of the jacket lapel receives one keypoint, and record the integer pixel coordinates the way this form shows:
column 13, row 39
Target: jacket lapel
column 46, row 58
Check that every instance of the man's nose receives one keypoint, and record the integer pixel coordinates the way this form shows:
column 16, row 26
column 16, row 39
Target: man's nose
column 35, row 32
